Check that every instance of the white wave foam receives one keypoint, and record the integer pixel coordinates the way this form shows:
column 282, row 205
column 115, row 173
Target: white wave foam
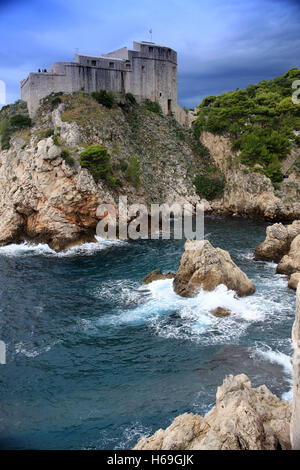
column 30, row 249
column 21, row 348
column 284, row 360
column 132, row 434
column 178, row 317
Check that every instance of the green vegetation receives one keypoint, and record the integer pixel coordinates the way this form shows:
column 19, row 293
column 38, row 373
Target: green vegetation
column 5, row 133
column 208, row 187
column 260, row 121
column 130, row 97
column 65, row 154
column 97, row 160
column 9, row 125
column 152, row 106
column 132, row 171
column 104, row 97
column 20, row 121
column 55, row 139
column 55, row 102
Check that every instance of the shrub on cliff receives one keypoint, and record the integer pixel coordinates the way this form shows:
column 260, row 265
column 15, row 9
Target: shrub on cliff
column 208, row 187
column 5, row 133
column 9, row 125
column 152, row 106
column 104, row 97
column 97, row 160
column 130, row 97
column 65, row 154
column 20, row 121
column 260, row 121
column 132, row 172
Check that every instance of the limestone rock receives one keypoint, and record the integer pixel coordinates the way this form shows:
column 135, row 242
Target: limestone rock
column 247, row 193
column 290, row 263
column 295, row 421
column 244, row 418
column 44, row 200
column 293, row 280
column 278, row 241
column 220, row 312
column 203, row 266
column 156, row 275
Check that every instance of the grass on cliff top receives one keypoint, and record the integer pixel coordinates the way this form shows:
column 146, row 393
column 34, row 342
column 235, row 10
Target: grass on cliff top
column 260, row 121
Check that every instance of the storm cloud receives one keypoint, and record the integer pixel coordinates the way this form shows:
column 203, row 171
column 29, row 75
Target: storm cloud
column 221, row 45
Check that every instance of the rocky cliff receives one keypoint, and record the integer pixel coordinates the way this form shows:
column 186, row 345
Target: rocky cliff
column 295, row 423
column 244, row 418
column 251, row 193
column 45, row 195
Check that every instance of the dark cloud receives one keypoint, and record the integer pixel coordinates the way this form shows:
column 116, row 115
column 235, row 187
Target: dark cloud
column 221, row 45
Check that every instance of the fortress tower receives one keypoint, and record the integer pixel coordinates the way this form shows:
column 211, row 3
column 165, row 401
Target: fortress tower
column 146, row 71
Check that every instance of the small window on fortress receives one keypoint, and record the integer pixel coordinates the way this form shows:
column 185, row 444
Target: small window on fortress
column 128, row 65
column 143, row 68
column 150, row 49
column 94, row 63
column 111, row 65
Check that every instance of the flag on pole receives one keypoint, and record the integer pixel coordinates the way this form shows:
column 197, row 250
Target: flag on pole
column 150, row 31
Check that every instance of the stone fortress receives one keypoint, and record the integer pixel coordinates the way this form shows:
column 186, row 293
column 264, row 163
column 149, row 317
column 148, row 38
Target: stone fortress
column 148, row 71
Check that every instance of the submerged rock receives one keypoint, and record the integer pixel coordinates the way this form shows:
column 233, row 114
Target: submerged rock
column 293, row 281
column 220, row 312
column 156, row 275
column 278, row 241
column 244, row 418
column 203, row 266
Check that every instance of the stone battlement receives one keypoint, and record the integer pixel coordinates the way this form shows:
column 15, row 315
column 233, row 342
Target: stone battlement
column 148, row 71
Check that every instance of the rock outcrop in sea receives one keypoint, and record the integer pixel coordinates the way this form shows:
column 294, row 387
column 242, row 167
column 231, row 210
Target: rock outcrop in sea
column 203, row 266
column 282, row 245
column 244, row 418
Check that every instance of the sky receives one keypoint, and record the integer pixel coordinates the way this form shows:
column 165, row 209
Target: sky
column 222, row 45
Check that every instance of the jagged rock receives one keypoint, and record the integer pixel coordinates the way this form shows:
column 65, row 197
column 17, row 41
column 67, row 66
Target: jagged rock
column 290, row 263
column 248, row 193
column 244, row 418
column 44, row 200
column 220, row 312
column 293, row 280
column 203, row 266
column 156, row 275
column 278, row 241
column 295, row 421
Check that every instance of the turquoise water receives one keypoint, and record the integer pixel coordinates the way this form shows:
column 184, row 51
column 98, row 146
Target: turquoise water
column 95, row 360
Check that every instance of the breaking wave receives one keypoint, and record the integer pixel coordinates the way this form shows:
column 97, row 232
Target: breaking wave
column 41, row 249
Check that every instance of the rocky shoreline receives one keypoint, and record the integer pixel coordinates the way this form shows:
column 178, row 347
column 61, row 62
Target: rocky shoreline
column 45, row 198
column 243, row 418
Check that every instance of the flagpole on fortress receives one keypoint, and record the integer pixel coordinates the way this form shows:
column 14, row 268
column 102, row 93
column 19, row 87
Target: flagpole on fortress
column 150, row 31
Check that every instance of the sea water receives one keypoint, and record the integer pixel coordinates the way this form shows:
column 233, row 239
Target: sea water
column 95, row 360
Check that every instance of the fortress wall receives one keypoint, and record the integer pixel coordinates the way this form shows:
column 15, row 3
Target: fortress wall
column 147, row 71
column 39, row 85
